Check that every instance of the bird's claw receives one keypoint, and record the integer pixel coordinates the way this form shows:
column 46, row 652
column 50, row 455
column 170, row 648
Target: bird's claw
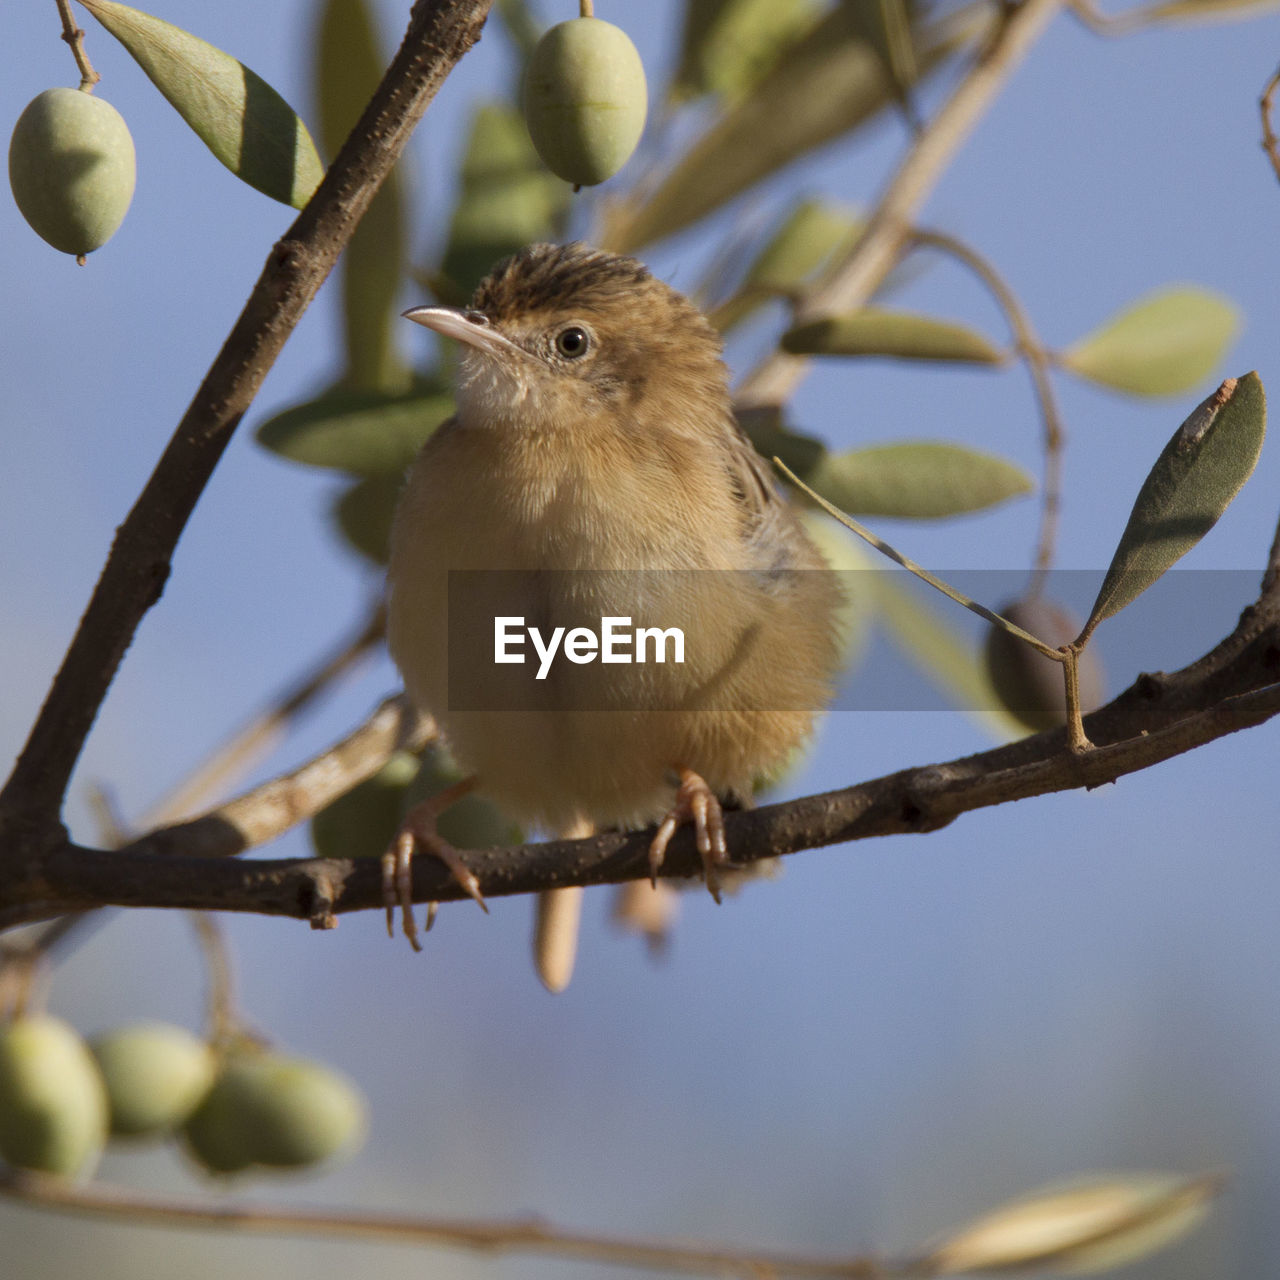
column 419, row 830
column 696, row 803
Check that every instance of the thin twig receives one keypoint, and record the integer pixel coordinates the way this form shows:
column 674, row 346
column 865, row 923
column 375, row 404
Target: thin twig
column 491, row 1236
column 1269, row 141
column 852, row 282
column 74, row 36
column 220, row 1006
column 1029, row 347
column 269, row 810
column 439, row 33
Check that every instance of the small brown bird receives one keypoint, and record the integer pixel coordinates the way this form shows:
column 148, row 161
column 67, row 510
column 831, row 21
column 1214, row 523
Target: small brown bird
column 594, row 475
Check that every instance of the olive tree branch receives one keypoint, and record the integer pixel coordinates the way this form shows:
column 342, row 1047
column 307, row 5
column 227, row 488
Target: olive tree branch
column 439, row 33
column 852, row 282
column 492, row 1236
column 1234, row 687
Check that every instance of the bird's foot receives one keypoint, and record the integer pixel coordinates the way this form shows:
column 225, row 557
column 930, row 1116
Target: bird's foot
column 419, row 829
column 696, row 803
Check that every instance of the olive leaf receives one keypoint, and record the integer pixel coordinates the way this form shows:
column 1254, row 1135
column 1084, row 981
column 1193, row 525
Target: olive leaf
column 366, row 433
column 364, row 513
column 1203, row 9
column 810, row 234
column 901, row 335
column 347, row 69
column 728, row 45
column 1192, row 483
column 772, row 437
column 1088, row 1224
column 234, row 112
column 827, row 83
column 507, row 199
column 1165, row 344
column 917, row 480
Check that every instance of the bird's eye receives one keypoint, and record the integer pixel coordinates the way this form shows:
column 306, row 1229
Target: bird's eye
column 572, row 342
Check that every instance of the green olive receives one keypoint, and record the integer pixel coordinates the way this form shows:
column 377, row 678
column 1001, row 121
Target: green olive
column 53, row 1104
column 361, row 823
column 72, row 169
column 1029, row 685
column 266, row 1109
column 585, row 100
column 301, row 1111
column 219, row 1132
column 156, row 1075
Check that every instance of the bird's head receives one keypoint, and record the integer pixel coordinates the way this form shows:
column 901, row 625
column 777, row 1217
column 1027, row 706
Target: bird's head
column 558, row 333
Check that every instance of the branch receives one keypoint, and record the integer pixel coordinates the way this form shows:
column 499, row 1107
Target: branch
column 853, row 282
column 493, row 1236
column 439, row 33
column 1234, row 687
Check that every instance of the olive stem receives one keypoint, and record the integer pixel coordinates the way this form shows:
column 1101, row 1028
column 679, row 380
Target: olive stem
column 74, row 36
column 1036, row 358
column 586, row 8
column 1269, row 142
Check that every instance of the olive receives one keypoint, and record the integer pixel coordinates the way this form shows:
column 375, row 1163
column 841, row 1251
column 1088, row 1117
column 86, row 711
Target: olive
column 267, row 1109
column 53, row 1104
column 72, row 169
column 301, row 1111
column 361, row 823
column 1029, row 685
column 156, row 1074
column 219, row 1132
column 585, row 100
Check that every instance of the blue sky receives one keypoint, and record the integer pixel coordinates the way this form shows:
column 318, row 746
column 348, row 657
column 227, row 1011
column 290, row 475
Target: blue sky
column 893, row 1036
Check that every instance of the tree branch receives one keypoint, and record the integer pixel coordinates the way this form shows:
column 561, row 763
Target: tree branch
column 488, row 1235
column 439, row 33
column 853, row 281
column 1236, row 686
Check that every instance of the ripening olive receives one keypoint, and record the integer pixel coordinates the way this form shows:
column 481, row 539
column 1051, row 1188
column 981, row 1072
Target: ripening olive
column 156, row 1074
column 361, row 823
column 1029, row 685
column 53, row 1104
column 265, row 1109
column 301, row 1111
column 585, row 99
column 219, row 1132
column 72, row 169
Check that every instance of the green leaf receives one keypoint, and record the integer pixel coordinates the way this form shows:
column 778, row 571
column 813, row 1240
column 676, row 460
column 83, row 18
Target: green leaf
column 1192, row 483
column 364, row 514
column 811, row 234
column 507, row 197
column 367, row 433
column 1205, row 10
column 826, row 84
column 235, row 113
column 900, row 335
column 1163, row 345
column 764, row 426
column 729, row 45
column 348, row 67
column 917, row 480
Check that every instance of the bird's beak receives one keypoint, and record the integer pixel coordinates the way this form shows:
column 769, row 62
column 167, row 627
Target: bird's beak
column 471, row 327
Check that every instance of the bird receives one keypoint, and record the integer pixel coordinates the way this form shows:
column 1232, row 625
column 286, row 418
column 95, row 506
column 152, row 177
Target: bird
column 593, row 471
